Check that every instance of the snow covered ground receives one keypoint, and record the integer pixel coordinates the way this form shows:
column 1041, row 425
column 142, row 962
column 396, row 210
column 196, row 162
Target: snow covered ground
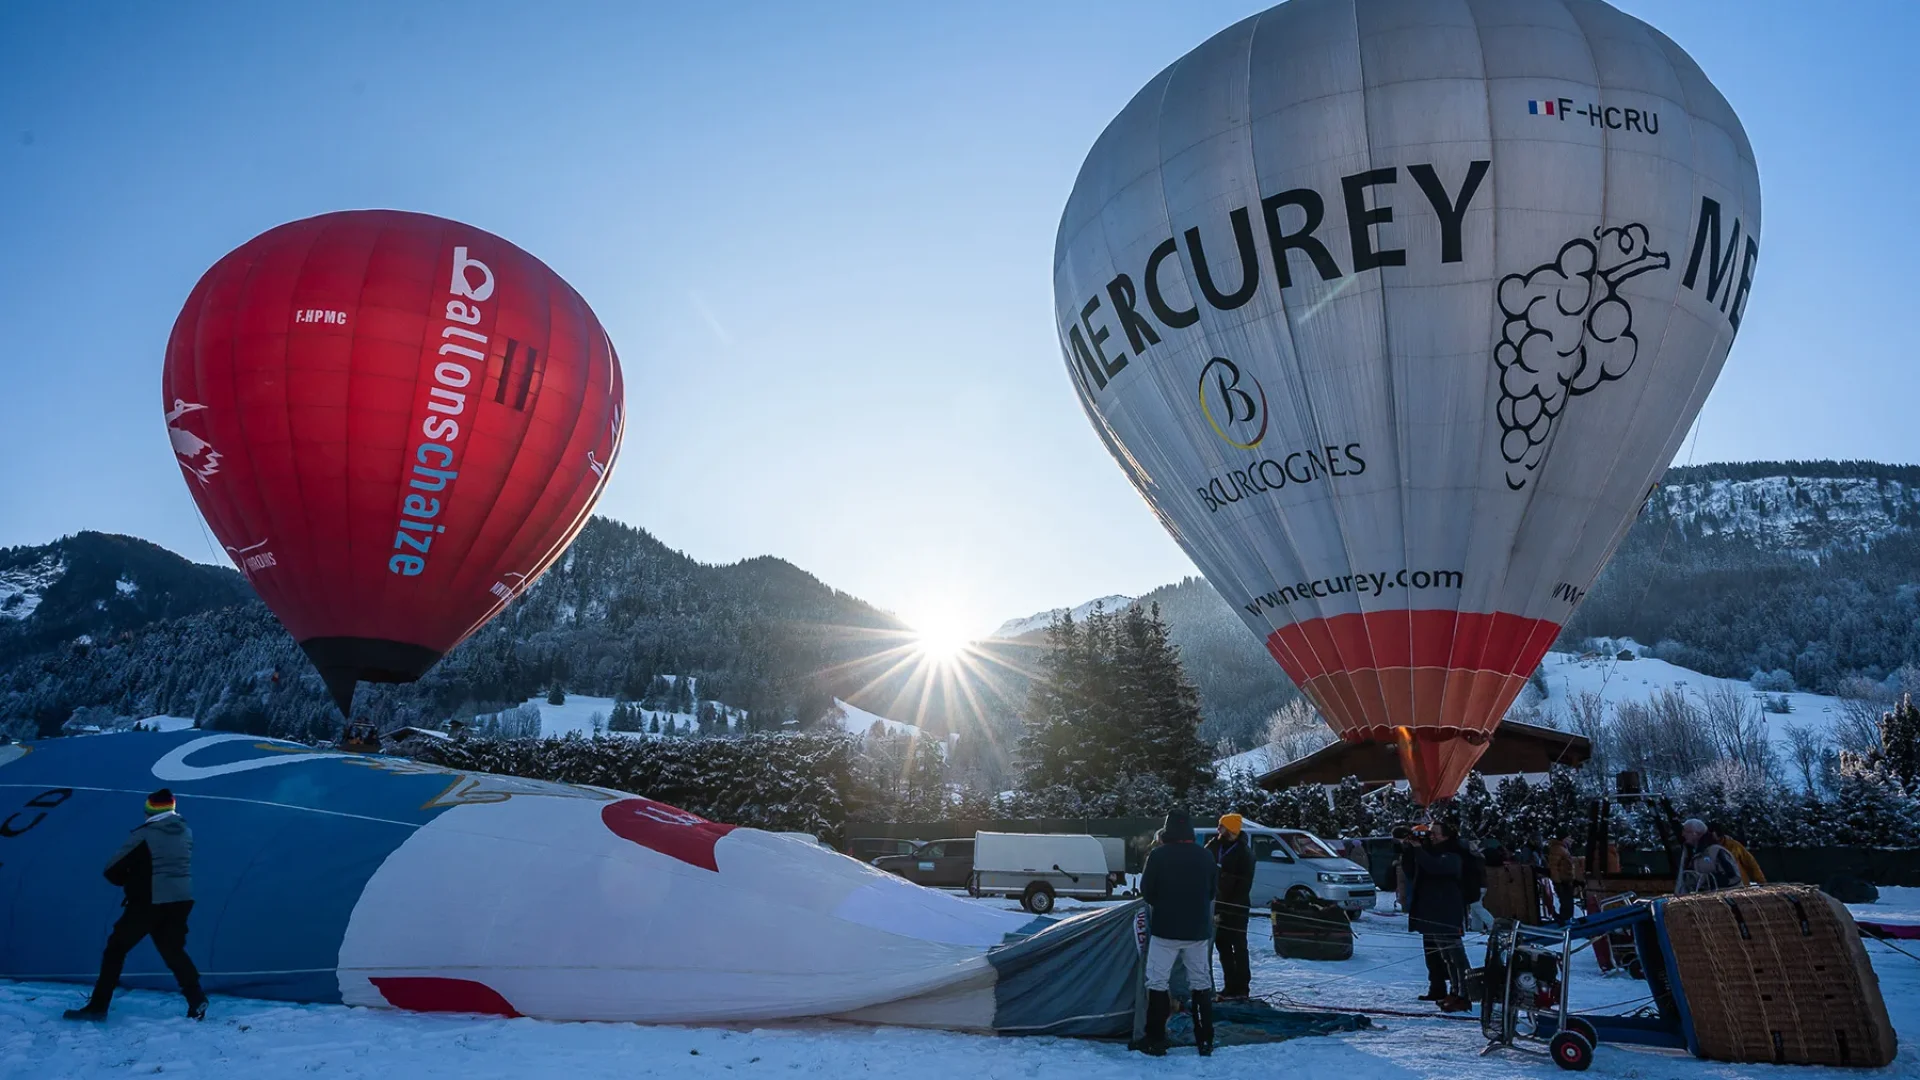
column 858, row 721
column 165, row 723
column 258, row 1040
column 575, row 717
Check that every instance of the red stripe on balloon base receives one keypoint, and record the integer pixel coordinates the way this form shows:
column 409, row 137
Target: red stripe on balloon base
column 423, row 993
column 1432, row 683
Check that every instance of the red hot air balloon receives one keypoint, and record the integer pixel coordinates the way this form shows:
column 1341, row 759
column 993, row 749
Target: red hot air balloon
column 394, row 423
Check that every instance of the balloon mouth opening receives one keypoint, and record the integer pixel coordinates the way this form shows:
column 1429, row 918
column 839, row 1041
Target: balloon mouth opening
column 347, row 661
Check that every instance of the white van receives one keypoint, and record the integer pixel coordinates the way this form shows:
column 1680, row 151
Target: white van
column 1037, row 867
column 1294, row 862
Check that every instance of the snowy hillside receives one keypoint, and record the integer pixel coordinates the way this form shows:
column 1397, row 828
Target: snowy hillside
column 1254, row 762
column 23, row 587
column 1618, row 681
column 1014, row 628
column 1803, row 515
column 857, row 721
column 577, row 716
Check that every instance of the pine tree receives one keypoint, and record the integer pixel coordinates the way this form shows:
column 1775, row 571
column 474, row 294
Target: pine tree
column 657, row 690
column 557, row 695
column 1113, row 706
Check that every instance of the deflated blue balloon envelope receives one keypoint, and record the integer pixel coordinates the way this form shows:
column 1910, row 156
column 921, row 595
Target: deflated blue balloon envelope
column 375, row 880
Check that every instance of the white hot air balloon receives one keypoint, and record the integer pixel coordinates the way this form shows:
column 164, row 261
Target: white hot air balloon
column 1394, row 311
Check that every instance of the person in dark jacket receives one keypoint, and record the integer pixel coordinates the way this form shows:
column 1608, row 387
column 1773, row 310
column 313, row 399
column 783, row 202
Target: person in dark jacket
column 155, row 868
column 1178, row 886
column 1233, row 856
column 1441, row 871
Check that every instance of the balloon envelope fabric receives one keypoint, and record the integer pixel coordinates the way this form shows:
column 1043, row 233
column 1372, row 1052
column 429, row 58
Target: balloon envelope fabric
column 1395, row 311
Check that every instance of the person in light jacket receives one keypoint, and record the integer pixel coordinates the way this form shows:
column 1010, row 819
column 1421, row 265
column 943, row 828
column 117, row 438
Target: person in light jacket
column 155, row 869
column 1704, row 865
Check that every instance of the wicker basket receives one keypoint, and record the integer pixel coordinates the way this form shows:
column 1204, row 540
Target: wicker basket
column 1513, row 892
column 1777, row 974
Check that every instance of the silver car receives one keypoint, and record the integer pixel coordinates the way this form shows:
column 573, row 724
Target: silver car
column 1295, row 863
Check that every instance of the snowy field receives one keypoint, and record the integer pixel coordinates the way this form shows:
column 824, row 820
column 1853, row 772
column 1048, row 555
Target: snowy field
column 254, row 1040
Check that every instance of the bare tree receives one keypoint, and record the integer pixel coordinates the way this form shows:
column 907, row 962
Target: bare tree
column 1806, row 749
column 1862, row 703
column 1662, row 737
column 1294, row 731
column 1587, row 713
column 1737, row 727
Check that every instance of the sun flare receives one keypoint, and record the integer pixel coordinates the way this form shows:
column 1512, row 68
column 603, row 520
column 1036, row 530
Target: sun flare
column 942, row 639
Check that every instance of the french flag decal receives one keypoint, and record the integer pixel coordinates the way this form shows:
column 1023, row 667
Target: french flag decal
column 1538, row 108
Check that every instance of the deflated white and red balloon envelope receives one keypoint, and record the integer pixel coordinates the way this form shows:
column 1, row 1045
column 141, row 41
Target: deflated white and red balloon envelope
column 394, row 423
column 1394, row 311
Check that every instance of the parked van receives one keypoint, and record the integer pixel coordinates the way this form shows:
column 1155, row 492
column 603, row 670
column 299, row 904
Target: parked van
column 1037, row 867
column 1296, row 863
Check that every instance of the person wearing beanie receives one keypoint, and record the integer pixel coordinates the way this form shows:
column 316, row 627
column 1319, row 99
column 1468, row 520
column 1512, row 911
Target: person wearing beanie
column 155, row 869
column 1177, row 884
column 1233, row 902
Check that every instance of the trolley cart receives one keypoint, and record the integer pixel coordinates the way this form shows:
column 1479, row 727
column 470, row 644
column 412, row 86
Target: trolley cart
column 1525, row 982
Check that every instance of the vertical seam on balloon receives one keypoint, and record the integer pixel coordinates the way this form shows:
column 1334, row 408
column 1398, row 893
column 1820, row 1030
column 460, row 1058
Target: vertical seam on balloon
column 1215, row 549
column 354, row 600
column 1333, row 501
column 299, row 590
column 1479, row 490
column 1286, row 321
column 1528, row 600
column 1620, row 446
column 233, row 374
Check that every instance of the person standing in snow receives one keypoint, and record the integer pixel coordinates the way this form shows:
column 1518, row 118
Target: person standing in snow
column 1233, row 856
column 1437, row 910
column 155, row 868
column 1704, row 865
column 1560, row 875
column 1178, row 886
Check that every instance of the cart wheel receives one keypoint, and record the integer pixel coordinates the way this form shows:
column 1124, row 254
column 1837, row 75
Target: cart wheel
column 1571, row 1050
column 1585, row 1027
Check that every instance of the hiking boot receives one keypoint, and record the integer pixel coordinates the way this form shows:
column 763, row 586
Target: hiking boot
column 197, row 1007
column 1203, row 1022
column 1454, row 1003
column 85, row 1012
column 1154, row 1042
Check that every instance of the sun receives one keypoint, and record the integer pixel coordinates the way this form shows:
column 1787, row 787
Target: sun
column 941, row 637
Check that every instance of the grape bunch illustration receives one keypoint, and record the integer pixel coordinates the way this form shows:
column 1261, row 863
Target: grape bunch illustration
column 1567, row 331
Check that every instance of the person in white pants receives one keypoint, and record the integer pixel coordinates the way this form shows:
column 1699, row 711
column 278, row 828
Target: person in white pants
column 1178, row 885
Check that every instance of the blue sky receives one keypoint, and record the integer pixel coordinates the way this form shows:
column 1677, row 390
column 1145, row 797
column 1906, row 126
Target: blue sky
column 821, row 237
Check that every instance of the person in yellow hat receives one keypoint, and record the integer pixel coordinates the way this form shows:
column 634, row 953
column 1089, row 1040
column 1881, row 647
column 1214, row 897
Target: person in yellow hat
column 1232, row 903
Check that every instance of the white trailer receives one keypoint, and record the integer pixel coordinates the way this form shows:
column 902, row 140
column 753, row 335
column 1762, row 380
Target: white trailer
column 1037, row 867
